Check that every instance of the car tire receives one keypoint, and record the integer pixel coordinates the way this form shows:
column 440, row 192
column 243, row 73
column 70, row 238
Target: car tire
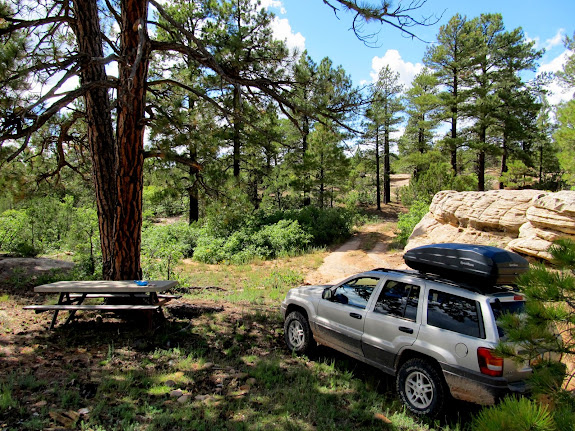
column 421, row 387
column 297, row 333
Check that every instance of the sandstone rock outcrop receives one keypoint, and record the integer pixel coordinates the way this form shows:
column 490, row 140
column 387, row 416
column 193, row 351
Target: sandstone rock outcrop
column 525, row 221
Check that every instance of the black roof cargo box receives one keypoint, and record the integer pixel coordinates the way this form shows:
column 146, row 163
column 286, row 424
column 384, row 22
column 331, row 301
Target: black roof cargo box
column 470, row 264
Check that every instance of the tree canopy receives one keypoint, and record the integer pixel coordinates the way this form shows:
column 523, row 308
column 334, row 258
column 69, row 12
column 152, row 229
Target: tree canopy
column 146, row 100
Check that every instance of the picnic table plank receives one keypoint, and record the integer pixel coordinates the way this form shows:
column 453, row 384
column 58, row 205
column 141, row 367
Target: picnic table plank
column 73, row 293
column 104, row 307
column 104, row 286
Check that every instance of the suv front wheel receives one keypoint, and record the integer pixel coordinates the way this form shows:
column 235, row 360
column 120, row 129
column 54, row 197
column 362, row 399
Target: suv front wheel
column 298, row 336
column 420, row 387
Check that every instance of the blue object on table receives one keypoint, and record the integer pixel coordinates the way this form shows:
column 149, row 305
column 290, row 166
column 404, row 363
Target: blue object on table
column 141, row 282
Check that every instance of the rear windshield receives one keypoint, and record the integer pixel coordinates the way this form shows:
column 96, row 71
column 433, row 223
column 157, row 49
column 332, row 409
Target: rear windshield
column 502, row 307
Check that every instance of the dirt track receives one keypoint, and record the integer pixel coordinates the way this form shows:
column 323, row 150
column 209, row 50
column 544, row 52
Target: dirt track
column 368, row 249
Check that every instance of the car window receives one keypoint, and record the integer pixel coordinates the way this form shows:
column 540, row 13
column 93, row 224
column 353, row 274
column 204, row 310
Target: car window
column 355, row 292
column 454, row 313
column 398, row 299
column 500, row 308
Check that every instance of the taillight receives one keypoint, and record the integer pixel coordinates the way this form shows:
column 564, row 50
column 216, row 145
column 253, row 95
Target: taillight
column 489, row 363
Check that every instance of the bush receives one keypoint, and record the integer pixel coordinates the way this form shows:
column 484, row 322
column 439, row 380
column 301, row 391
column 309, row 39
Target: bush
column 285, row 236
column 164, row 245
column 13, row 229
column 326, row 226
column 407, row 222
column 24, row 249
column 515, row 414
column 438, row 177
column 265, row 242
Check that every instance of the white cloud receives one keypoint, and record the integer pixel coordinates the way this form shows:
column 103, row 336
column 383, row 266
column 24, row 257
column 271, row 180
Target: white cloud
column 282, row 31
column 550, row 43
column 277, row 4
column 556, row 40
column 392, row 58
column 281, row 27
column 557, row 93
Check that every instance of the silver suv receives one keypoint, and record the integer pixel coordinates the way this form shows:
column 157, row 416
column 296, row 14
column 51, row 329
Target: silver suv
column 435, row 336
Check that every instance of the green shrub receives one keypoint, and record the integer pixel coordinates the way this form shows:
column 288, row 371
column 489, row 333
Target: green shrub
column 518, row 175
column 162, row 201
column 252, row 242
column 49, row 224
column 406, row 222
column 240, row 237
column 13, row 229
column 24, row 249
column 326, row 226
column 209, row 248
column 164, row 245
column 437, row 177
column 515, row 414
column 285, row 236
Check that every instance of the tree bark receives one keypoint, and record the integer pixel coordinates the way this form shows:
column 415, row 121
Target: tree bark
column 99, row 126
column 194, row 204
column 377, row 170
column 504, row 156
column 454, row 114
column 305, row 145
column 386, row 169
column 135, row 53
column 237, row 126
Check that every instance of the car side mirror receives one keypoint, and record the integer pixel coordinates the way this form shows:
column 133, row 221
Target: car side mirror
column 327, row 294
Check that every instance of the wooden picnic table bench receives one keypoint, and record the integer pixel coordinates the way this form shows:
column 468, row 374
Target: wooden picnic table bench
column 123, row 293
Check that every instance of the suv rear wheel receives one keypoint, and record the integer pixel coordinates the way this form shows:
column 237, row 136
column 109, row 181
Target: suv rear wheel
column 421, row 387
column 298, row 336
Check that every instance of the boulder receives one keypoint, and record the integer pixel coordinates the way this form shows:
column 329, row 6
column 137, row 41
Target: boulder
column 525, row 221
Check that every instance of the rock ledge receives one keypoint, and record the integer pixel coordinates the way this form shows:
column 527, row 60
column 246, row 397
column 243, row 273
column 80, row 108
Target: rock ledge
column 525, row 221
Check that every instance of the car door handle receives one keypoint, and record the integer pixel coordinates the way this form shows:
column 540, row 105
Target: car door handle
column 406, row 329
column 355, row 315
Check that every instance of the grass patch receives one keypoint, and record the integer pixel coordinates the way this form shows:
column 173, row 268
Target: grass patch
column 260, row 282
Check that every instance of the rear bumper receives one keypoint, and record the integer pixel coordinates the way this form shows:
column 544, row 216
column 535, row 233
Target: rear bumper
column 478, row 388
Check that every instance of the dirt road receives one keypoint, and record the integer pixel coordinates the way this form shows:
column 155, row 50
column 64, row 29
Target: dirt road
column 367, row 249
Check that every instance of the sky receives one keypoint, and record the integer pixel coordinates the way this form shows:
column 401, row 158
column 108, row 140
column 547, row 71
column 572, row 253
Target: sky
column 311, row 25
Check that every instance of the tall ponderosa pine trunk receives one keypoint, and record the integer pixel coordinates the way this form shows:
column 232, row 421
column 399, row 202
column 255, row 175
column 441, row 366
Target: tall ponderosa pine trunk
column 117, row 162
column 194, row 208
column 481, row 159
column 135, row 53
column 386, row 168
column 377, row 169
column 99, row 125
column 504, row 156
column 237, row 131
column 454, row 114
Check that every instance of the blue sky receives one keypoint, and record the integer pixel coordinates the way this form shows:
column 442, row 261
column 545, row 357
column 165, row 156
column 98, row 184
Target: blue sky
column 311, row 25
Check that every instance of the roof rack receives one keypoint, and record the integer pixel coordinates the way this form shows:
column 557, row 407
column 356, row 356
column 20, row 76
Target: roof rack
column 488, row 288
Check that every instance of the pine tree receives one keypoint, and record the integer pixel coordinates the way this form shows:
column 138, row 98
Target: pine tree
column 565, row 134
column 546, row 332
column 382, row 117
column 422, row 108
column 565, row 139
column 450, row 60
column 567, row 75
column 324, row 94
column 518, row 108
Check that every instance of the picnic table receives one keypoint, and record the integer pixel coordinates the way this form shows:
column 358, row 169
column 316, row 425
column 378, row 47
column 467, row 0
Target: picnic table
column 121, row 296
